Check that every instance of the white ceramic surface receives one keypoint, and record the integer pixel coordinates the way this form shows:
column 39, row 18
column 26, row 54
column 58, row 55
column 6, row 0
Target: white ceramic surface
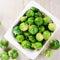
column 9, row 36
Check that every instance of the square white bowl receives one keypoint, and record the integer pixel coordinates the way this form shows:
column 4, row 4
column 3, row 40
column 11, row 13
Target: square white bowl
column 32, row 54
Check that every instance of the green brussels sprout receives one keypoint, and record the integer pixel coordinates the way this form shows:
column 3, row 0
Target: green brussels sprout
column 54, row 44
column 16, row 30
column 38, row 21
column 37, row 45
column 51, row 26
column 4, row 56
column 26, row 44
column 19, row 38
column 39, row 37
column 41, row 28
column 30, row 20
column 47, row 20
column 38, row 14
column 13, row 53
column 31, row 38
column 48, row 53
column 4, row 44
column 23, row 18
column 23, row 26
column 34, row 9
column 46, row 34
column 33, row 29
column 29, row 13
column 26, row 33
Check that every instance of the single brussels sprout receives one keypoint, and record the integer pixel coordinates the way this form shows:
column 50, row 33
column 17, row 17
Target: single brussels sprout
column 4, row 44
column 37, row 45
column 26, row 44
column 38, row 21
column 48, row 53
column 38, row 14
column 54, row 44
column 16, row 30
column 51, row 26
column 39, row 37
column 31, row 38
column 13, row 53
column 23, row 18
column 33, row 29
column 4, row 56
column 30, row 20
column 23, row 26
column 34, row 9
column 41, row 28
column 46, row 34
column 29, row 13
column 26, row 33
column 19, row 38
column 47, row 20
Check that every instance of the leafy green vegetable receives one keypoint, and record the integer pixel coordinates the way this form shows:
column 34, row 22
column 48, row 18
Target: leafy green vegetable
column 19, row 38
column 4, row 44
column 37, row 45
column 46, row 34
column 38, row 21
column 51, row 26
column 54, row 44
column 13, row 53
column 33, row 29
column 48, row 53
column 4, row 56
column 26, row 44
column 39, row 37
column 23, row 26
column 16, row 30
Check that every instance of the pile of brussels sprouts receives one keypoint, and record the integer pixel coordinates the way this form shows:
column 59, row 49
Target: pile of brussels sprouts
column 6, row 55
column 33, row 29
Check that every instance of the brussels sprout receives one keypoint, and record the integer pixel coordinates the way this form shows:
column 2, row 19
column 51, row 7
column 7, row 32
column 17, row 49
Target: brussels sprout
column 16, row 30
column 46, row 34
column 38, row 14
column 29, row 13
column 23, row 26
column 51, row 26
column 19, row 38
column 47, row 20
column 54, row 44
column 4, row 56
column 30, row 20
column 33, row 29
column 13, row 53
column 4, row 44
column 48, row 53
column 38, row 21
column 26, row 33
column 37, row 45
column 23, row 18
column 31, row 38
column 34, row 9
column 41, row 28
column 26, row 44
column 39, row 37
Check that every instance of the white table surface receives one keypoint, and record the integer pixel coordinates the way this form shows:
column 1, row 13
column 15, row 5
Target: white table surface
column 10, row 10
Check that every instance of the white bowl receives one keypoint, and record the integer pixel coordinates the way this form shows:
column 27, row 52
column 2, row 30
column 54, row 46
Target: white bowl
column 32, row 54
